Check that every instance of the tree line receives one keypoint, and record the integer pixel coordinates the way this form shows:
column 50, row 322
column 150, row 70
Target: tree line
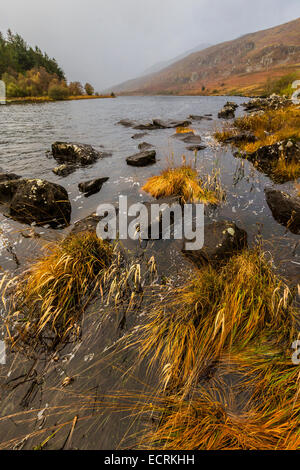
column 28, row 71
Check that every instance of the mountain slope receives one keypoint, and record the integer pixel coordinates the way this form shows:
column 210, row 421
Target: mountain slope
column 162, row 65
column 239, row 66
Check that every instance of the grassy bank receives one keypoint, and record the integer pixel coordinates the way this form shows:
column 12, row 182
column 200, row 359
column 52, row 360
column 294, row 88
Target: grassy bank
column 45, row 99
column 268, row 128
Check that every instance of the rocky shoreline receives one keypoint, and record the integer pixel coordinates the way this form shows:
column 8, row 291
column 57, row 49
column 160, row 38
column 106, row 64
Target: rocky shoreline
column 137, row 280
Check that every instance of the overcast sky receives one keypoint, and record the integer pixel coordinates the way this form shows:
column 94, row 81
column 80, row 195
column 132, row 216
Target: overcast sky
column 109, row 41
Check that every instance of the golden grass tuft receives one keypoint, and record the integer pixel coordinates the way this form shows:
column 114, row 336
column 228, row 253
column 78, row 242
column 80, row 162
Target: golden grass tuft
column 51, row 294
column 223, row 346
column 218, row 311
column 183, row 182
column 184, row 130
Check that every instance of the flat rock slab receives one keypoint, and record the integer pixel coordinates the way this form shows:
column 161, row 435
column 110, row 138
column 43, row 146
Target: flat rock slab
column 221, row 241
column 195, row 117
column 285, row 209
column 140, row 135
column 36, row 200
column 142, row 158
column 159, row 124
column 196, row 148
column 192, row 139
column 92, row 187
column 81, row 154
column 182, row 135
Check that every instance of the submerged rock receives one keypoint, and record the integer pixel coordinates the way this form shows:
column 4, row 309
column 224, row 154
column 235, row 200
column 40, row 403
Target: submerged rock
column 192, row 139
column 8, row 177
column 126, row 123
column 183, row 135
column 196, row 148
column 64, row 170
column 36, row 200
column 88, row 224
column 81, row 154
column 145, row 146
column 140, row 135
column 159, row 124
column 221, row 241
column 285, row 209
column 195, row 117
column 142, row 158
column 92, row 187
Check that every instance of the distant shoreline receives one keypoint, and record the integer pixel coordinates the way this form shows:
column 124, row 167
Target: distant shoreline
column 46, row 99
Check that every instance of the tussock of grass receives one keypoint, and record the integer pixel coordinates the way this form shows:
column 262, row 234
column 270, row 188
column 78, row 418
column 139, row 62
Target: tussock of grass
column 183, row 182
column 223, row 348
column 51, row 294
column 217, row 310
column 205, row 423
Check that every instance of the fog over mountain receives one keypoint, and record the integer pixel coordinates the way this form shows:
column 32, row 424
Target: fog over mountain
column 110, row 42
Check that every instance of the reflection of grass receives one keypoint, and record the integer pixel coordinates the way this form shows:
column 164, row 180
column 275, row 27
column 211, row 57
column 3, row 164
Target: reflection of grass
column 239, row 304
column 183, row 182
column 51, row 294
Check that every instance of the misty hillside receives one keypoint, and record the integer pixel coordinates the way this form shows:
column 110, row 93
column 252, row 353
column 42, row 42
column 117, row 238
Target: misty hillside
column 164, row 64
column 239, row 66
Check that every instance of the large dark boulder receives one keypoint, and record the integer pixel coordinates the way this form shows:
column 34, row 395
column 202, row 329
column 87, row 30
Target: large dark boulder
column 92, row 187
column 80, row 154
column 221, row 241
column 36, row 200
column 142, row 158
column 196, row 148
column 285, row 209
